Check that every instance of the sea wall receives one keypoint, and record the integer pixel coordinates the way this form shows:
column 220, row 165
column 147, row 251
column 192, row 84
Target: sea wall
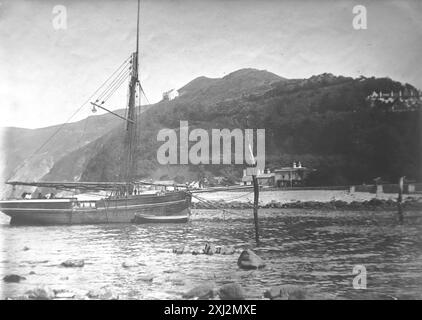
column 286, row 198
column 372, row 204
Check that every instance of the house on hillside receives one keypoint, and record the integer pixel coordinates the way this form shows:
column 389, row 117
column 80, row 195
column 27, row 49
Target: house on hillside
column 293, row 176
column 402, row 100
column 219, row 180
column 264, row 177
column 170, row 95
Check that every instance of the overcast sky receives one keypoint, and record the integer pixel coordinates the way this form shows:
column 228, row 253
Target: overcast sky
column 45, row 74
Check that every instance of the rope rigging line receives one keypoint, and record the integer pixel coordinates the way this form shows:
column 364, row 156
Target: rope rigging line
column 117, row 85
column 143, row 92
column 83, row 135
column 127, row 101
column 118, row 70
column 241, row 196
column 68, row 120
column 212, row 205
column 108, row 79
column 138, row 115
column 111, row 85
column 48, row 139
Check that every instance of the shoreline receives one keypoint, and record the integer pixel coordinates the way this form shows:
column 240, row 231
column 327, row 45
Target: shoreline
column 374, row 204
column 308, row 200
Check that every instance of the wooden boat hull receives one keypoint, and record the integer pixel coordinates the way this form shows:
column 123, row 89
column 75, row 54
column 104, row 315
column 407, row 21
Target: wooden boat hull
column 160, row 219
column 109, row 210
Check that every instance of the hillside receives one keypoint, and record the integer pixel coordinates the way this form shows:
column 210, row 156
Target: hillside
column 24, row 160
column 207, row 91
column 324, row 121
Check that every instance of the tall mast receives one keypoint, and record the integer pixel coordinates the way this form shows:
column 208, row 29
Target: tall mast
column 131, row 132
column 137, row 27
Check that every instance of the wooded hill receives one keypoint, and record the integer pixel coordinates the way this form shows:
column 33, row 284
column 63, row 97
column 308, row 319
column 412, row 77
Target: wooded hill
column 324, row 121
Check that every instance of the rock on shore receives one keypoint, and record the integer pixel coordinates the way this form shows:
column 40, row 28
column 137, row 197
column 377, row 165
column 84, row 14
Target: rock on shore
column 179, row 250
column 41, row 293
column 73, row 263
column 206, row 290
column 231, row 291
column 249, row 260
column 132, row 264
column 373, row 204
column 286, row 292
column 102, row 294
column 13, row 278
column 209, row 249
column 225, row 250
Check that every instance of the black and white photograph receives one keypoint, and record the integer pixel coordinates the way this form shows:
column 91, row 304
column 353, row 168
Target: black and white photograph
column 184, row 150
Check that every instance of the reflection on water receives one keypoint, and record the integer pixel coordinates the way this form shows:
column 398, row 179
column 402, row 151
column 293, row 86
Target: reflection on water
column 311, row 248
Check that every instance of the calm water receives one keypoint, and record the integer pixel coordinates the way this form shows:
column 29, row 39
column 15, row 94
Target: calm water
column 314, row 249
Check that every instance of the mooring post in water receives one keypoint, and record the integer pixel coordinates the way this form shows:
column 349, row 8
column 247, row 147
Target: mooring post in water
column 400, row 200
column 255, row 207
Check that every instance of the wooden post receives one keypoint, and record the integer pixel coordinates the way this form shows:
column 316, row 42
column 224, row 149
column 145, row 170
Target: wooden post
column 255, row 207
column 400, row 200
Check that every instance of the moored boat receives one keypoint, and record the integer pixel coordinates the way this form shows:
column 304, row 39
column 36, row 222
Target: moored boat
column 108, row 210
column 125, row 202
column 139, row 218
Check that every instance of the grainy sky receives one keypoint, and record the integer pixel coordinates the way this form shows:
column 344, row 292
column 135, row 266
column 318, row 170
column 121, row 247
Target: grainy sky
column 45, row 74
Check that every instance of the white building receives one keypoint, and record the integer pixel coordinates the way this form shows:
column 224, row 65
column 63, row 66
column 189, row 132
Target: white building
column 170, row 95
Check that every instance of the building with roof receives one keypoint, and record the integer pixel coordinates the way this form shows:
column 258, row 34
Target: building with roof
column 170, row 95
column 407, row 99
column 293, row 176
column 264, row 177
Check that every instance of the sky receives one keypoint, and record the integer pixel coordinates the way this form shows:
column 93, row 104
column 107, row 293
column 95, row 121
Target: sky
column 47, row 73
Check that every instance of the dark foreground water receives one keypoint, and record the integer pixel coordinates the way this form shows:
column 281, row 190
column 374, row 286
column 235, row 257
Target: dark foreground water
column 314, row 249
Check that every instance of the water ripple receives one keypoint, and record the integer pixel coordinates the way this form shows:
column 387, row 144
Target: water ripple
column 315, row 249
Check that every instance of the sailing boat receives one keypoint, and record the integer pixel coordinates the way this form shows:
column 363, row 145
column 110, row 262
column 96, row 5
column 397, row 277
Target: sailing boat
column 125, row 202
